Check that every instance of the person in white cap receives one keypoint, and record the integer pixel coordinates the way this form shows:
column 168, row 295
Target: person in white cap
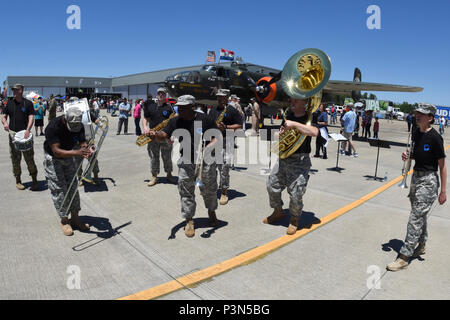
column 193, row 123
column 63, row 136
column 154, row 114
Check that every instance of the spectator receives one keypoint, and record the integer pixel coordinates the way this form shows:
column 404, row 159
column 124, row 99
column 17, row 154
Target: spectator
column 349, row 126
column 124, row 111
column 376, row 128
column 409, row 119
column 137, row 117
column 367, row 120
column 322, row 122
column 39, row 116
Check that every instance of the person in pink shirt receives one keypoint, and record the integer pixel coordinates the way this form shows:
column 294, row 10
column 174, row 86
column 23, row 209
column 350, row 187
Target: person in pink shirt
column 137, row 117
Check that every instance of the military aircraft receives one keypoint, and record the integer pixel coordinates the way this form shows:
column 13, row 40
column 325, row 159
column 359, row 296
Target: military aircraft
column 236, row 77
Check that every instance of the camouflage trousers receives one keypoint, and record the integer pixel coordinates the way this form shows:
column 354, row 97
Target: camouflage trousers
column 224, row 168
column 186, row 188
column 59, row 174
column 291, row 173
column 154, row 149
column 423, row 192
column 16, row 158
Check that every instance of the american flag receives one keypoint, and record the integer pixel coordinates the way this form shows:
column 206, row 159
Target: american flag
column 211, row 56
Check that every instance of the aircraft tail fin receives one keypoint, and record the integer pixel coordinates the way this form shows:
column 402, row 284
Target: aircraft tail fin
column 356, row 95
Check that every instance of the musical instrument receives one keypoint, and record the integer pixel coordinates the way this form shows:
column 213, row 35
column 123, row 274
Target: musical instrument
column 407, row 163
column 102, row 124
column 303, row 77
column 221, row 116
column 144, row 139
column 22, row 144
column 199, row 163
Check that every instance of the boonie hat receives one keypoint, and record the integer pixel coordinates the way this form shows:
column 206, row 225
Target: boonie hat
column 185, row 100
column 223, row 92
column 74, row 117
column 162, row 90
column 17, row 86
column 426, row 108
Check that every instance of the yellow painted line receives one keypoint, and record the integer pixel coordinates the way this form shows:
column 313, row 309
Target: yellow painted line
column 252, row 255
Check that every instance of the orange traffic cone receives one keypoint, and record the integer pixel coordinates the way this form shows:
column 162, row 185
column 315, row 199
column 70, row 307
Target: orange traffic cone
column 276, row 117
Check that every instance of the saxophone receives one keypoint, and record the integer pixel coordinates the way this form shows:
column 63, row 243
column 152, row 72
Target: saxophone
column 221, row 116
column 142, row 140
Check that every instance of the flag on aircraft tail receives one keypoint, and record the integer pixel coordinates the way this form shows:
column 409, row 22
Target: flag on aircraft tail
column 211, row 56
column 226, row 54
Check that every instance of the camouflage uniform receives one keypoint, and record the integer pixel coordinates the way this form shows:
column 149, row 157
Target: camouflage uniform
column 59, row 173
column 423, row 192
column 293, row 173
column 153, row 149
column 186, row 187
column 16, row 157
column 224, row 168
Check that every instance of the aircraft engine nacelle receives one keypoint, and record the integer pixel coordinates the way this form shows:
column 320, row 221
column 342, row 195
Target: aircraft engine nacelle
column 265, row 93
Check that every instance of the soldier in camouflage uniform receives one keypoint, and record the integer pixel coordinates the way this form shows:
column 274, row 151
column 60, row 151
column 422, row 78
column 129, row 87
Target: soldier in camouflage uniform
column 62, row 135
column 154, row 114
column 187, row 163
column 231, row 120
column 21, row 117
column 428, row 153
column 293, row 172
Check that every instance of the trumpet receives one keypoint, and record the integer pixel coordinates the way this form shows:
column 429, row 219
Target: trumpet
column 407, row 163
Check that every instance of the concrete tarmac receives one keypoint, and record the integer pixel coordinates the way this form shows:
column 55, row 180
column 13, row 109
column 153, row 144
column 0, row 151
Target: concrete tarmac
column 137, row 239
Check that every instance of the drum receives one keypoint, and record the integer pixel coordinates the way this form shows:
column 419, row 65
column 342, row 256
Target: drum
column 21, row 143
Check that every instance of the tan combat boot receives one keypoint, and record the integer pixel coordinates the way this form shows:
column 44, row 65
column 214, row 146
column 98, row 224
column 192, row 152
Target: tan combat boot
column 35, row 185
column 293, row 225
column 152, row 181
column 212, row 222
column 420, row 250
column 189, row 228
column 224, row 197
column 77, row 224
column 400, row 263
column 19, row 184
column 277, row 215
column 66, row 228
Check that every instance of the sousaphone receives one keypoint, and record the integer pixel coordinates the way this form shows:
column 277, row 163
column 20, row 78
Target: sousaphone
column 303, row 77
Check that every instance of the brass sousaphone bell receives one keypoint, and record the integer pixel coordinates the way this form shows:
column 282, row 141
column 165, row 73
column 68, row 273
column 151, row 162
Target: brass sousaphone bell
column 303, row 77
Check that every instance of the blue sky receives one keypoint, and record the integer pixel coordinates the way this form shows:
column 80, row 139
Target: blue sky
column 125, row 37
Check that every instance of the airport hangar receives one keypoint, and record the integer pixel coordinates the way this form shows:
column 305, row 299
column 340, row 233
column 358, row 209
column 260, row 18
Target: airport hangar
column 135, row 86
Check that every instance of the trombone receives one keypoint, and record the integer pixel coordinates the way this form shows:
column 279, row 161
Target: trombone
column 72, row 190
column 407, row 163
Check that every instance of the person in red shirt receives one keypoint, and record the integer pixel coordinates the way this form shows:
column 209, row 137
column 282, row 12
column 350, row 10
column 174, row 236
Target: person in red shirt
column 376, row 128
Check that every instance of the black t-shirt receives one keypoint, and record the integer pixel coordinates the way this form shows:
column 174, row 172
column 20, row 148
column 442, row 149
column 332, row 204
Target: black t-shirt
column 232, row 116
column 306, row 145
column 157, row 114
column 18, row 114
column 57, row 132
column 428, row 149
column 179, row 123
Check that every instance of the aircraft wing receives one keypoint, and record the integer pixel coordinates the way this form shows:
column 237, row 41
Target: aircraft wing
column 344, row 87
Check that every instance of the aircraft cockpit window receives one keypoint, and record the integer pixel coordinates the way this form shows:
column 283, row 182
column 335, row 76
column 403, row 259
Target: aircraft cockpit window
column 211, row 69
